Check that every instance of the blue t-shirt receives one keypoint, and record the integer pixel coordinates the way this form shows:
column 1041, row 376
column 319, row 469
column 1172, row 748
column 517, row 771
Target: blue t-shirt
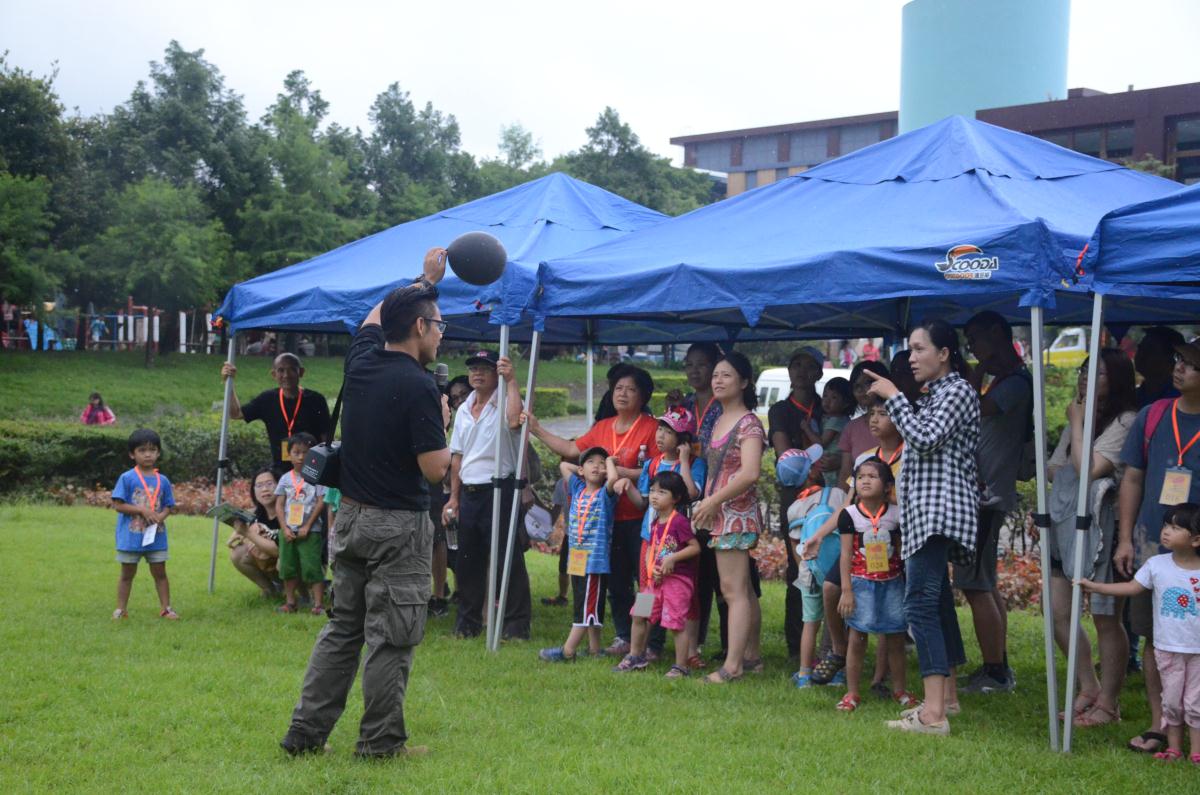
column 130, row 528
column 1162, row 455
column 699, row 473
column 597, row 514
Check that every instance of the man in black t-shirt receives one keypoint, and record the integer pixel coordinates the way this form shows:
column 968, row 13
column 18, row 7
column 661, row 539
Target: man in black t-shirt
column 286, row 410
column 393, row 446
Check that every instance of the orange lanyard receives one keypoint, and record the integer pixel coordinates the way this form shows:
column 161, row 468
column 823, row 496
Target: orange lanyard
column 616, row 451
column 295, row 412
column 808, row 410
column 895, row 453
column 808, row 491
column 653, row 550
column 704, row 413
column 581, row 514
column 1175, row 424
column 874, row 520
column 298, row 485
column 152, row 497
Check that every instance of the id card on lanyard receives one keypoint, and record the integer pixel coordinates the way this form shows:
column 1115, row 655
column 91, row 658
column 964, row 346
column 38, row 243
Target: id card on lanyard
column 875, row 552
column 1177, row 480
column 295, row 506
column 577, row 559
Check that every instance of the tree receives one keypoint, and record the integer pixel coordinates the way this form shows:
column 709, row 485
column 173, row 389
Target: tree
column 25, row 224
column 615, row 159
column 518, row 147
column 1150, row 164
column 164, row 249
column 33, row 137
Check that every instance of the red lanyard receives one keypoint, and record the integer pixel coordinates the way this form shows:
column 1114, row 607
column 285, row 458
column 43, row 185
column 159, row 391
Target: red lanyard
column 616, row 451
column 875, row 519
column 581, row 514
column 653, row 550
column 295, row 412
column 152, row 497
column 895, row 453
column 808, row 410
column 1175, row 424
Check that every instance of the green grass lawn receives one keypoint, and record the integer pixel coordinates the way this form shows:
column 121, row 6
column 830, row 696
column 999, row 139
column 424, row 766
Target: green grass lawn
column 200, row 705
column 57, row 385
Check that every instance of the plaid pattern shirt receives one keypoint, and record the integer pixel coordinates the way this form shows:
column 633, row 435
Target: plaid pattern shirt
column 939, row 484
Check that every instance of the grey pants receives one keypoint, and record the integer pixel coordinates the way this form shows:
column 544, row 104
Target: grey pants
column 381, row 587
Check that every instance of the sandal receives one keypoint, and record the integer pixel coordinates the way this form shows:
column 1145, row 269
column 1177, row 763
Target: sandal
column 1147, row 736
column 1082, row 705
column 318, row 610
column 286, row 608
column 696, row 662
column 118, row 614
column 827, row 668
column 849, row 703
column 677, row 672
column 905, row 699
column 754, row 666
column 1170, row 755
column 723, row 677
column 1089, row 719
column 169, row 613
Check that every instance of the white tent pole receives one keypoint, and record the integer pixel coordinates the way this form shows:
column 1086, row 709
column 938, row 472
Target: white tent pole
column 1082, row 518
column 494, row 547
column 516, row 503
column 1041, row 520
column 221, row 450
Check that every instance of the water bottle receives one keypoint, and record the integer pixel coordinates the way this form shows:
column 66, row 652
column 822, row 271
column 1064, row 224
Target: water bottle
column 641, row 455
column 452, row 532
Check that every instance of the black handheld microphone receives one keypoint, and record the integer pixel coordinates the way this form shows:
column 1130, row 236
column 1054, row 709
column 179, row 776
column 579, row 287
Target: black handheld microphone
column 441, row 375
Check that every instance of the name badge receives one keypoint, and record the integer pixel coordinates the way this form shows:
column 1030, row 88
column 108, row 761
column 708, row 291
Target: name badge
column 577, row 562
column 877, row 557
column 295, row 514
column 1177, row 486
column 283, row 450
column 643, row 605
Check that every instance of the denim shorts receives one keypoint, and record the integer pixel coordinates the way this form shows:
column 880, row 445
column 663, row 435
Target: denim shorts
column 878, row 606
column 133, row 558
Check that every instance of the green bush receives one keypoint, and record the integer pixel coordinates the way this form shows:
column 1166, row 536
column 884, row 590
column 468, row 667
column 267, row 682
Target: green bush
column 665, row 383
column 550, row 401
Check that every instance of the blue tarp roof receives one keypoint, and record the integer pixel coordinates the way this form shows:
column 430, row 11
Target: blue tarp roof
column 548, row 217
column 943, row 221
column 1150, row 249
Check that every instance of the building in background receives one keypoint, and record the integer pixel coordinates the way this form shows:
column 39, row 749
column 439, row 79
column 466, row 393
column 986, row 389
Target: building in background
column 1161, row 122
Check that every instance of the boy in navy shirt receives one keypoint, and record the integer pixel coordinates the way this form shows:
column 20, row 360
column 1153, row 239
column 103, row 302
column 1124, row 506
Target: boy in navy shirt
column 143, row 499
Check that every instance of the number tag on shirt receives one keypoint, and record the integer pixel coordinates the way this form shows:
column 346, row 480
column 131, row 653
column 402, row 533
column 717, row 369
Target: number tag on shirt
column 877, row 557
column 1177, row 486
column 577, row 562
column 643, row 605
column 283, row 450
column 295, row 514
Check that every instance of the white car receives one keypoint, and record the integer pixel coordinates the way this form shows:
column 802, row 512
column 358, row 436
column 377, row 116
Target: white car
column 774, row 385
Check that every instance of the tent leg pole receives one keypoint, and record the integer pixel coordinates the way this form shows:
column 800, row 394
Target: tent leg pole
column 590, row 382
column 520, row 467
column 1082, row 517
column 1039, row 442
column 490, row 628
column 221, row 450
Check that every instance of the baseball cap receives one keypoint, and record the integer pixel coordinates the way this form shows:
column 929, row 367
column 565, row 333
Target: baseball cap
column 679, row 419
column 483, row 357
column 809, row 350
column 793, row 465
column 1190, row 353
column 591, row 451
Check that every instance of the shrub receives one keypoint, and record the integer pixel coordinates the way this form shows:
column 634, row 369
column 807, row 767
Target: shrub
column 550, row 401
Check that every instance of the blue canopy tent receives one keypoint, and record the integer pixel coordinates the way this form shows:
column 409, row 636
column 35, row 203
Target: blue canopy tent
column 551, row 216
column 945, row 221
column 1144, row 263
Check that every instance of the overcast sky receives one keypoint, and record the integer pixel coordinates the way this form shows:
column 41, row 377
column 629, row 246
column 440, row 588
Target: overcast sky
column 669, row 68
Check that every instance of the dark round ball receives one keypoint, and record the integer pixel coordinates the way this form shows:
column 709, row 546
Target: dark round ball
column 477, row 258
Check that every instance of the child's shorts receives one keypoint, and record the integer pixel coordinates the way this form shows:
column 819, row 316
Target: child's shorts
column 151, row 556
column 588, row 592
column 674, row 602
column 878, row 606
column 814, row 605
column 301, row 559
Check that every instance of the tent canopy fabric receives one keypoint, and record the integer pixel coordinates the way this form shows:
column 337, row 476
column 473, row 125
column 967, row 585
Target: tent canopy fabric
column 944, row 221
column 1149, row 250
column 548, row 217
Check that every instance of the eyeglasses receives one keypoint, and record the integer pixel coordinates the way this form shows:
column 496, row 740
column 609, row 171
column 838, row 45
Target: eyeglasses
column 1180, row 360
column 440, row 325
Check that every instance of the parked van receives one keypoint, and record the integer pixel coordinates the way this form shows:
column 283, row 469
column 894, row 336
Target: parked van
column 1069, row 348
column 774, row 385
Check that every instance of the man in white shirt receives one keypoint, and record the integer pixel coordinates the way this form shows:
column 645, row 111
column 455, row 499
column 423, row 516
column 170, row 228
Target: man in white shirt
column 472, row 467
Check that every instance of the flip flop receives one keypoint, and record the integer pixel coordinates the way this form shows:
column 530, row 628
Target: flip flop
column 1089, row 719
column 1147, row 736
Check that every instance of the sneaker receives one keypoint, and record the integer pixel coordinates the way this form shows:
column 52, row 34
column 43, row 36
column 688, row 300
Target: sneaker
column 119, row 614
column 631, row 663
column 951, row 710
column 983, row 682
column 912, row 723
column 402, row 751
column 1012, row 676
column 297, row 744
column 555, row 655
column 438, row 607
column 802, row 681
column 619, row 648
column 838, row 680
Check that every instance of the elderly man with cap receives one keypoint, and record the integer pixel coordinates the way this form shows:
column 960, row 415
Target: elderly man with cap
column 472, row 492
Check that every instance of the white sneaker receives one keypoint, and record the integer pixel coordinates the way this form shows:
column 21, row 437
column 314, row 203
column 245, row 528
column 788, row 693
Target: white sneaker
column 912, row 723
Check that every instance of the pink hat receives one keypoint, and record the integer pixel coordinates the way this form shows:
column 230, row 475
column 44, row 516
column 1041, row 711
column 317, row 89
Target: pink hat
column 680, row 420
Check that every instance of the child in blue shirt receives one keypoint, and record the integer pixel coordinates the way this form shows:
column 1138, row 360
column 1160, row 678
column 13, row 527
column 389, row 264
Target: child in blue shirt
column 143, row 499
column 589, row 533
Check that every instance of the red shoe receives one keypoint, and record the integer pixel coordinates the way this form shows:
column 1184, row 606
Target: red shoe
column 169, row 613
column 849, row 703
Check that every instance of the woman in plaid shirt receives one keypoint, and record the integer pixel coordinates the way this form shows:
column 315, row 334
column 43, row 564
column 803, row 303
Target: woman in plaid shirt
column 939, row 504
